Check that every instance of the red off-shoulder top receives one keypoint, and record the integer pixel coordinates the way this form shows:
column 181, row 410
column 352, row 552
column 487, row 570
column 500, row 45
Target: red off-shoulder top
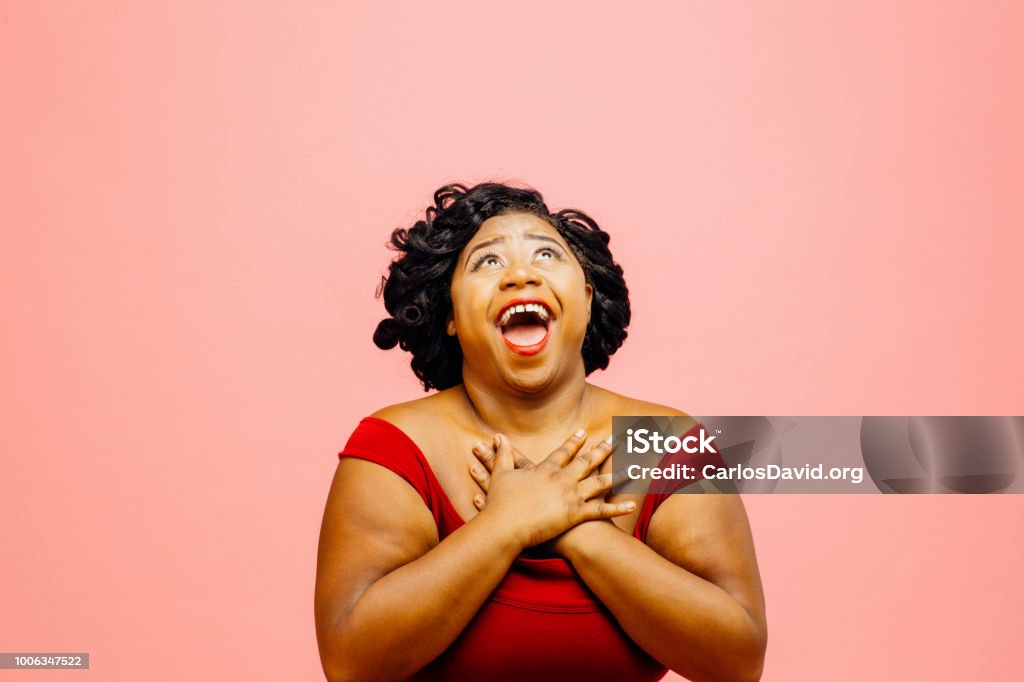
column 541, row 622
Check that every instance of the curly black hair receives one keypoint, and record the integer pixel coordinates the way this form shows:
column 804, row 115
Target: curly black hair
column 417, row 290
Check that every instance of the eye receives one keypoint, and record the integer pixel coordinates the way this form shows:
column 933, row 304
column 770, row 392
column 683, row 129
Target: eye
column 553, row 254
column 485, row 259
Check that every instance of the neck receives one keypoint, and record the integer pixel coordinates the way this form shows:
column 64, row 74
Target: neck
column 560, row 409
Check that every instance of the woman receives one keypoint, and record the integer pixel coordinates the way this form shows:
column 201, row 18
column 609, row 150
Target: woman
column 472, row 533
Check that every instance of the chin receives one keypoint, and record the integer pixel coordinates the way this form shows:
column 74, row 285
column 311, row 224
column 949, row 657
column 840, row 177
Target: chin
column 530, row 380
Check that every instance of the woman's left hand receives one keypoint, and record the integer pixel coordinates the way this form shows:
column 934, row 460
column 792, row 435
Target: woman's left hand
column 481, row 475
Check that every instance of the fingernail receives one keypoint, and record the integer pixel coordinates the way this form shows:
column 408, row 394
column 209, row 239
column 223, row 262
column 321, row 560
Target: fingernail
column 497, row 440
column 630, row 506
column 479, row 446
column 609, row 440
column 580, row 433
column 477, row 472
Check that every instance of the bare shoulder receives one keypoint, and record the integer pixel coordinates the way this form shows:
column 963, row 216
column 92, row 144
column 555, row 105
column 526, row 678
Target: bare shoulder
column 414, row 417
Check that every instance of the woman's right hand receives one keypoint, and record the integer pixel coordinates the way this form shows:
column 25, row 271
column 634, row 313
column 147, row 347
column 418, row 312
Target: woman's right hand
column 540, row 502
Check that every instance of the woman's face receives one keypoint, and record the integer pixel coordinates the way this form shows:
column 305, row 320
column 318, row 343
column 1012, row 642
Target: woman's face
column 520, row 303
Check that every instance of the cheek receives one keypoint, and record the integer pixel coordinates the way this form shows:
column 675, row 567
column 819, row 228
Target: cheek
column 575, row 289
column 470, row 315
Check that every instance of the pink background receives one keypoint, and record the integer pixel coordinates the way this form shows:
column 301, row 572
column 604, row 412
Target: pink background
column 818, row 210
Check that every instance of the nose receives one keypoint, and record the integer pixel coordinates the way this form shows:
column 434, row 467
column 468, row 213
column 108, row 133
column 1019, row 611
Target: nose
column 519, row 275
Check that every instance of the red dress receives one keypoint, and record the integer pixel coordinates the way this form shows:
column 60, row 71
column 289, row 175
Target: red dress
column 541, row 622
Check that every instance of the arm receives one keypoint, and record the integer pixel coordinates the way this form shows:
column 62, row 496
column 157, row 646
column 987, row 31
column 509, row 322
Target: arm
column 693, row 597
column 389, row 598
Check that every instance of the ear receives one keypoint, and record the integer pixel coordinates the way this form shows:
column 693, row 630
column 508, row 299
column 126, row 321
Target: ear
column 590, row 299
column 451, row 323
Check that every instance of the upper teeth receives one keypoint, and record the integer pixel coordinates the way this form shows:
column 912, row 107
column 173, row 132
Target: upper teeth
column 526, row 307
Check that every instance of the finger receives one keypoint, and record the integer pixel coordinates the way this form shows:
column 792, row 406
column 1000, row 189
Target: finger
column 521, row 460
column 503, row 453
column 619, row 478
column 484, row 454
column 585, row 462
column 477, row 472
column 619, row 473
column 479, row 501
column 567, row 450
column 593, row 486
column 590, row 511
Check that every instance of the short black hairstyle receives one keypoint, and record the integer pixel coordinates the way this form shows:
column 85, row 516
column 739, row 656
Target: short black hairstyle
column 417, row 290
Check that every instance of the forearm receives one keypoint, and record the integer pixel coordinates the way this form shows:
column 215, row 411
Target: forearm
column 690, row 624
column 407, row 618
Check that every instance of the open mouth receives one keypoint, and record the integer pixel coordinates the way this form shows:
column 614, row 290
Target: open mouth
column 525, row 327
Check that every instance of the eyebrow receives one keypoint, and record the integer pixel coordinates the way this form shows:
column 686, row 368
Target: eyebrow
column 498, row 240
